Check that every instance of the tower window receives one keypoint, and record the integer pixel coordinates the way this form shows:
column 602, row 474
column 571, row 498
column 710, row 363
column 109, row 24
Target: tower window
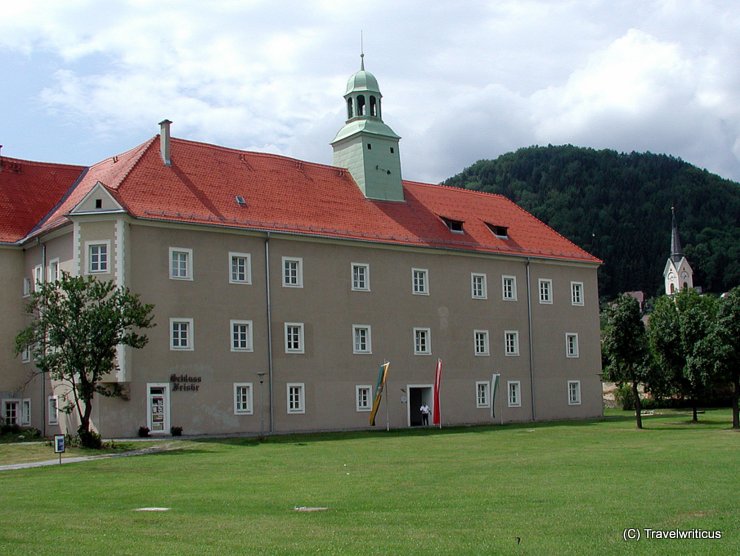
column 369, row 147
column 373, row 106
column 349, row 108
column 392, row 151
column 361, row 105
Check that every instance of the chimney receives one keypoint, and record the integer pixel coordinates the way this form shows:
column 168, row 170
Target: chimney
column 164, row 141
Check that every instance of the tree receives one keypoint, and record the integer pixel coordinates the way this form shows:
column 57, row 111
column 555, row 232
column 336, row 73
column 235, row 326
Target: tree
column 625, row 348
column 680, row 333
column 727, row 334
column 78, row 323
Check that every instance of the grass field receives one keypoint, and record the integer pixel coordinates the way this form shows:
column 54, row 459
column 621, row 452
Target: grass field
column 555, row 488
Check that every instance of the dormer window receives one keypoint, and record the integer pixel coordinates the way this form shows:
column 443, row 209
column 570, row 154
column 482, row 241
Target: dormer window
column 501, row 232
column 455, row 226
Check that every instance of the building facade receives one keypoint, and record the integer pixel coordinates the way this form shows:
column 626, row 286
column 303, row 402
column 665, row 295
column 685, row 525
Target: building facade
column 280, row 286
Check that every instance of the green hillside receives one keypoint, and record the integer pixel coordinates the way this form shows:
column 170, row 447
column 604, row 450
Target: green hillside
column 618, row 207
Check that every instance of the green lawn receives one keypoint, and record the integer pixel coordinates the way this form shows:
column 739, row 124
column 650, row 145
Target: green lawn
column 556, row 488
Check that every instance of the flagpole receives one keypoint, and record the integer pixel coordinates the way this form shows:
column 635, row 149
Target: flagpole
column 387, row 417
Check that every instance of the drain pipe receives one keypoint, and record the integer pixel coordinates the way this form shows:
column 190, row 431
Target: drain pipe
column 44, row 403
column 268, row 302
column 531, row 342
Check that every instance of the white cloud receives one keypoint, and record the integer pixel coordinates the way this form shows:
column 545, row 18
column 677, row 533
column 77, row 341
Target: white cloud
column 458, row 84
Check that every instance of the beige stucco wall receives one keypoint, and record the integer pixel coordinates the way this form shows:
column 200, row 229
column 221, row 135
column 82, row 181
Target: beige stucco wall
column 328, row 308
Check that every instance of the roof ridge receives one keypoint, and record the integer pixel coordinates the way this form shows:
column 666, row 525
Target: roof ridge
column 41, row 163
column 455, row 188
column 143, row 148
column 258, row 153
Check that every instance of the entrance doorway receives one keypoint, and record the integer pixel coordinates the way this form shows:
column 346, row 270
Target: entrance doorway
column 158, row 408
column 419, row 394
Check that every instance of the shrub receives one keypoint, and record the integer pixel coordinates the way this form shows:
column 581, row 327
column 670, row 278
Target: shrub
column 143, row 432
column 90, row 439
column 176, row 431
column 624, row 397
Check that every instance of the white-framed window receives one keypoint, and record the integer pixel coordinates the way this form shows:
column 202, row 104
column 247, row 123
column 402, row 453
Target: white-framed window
column 360, row 277
column 294, row 337
column 508, row 288
column 98, row 256
column 292, row 272
column 422, row 341
column 571, row 344
column 545, row 289
column 243, row 398
column 26, row 411
column 478, row 286
column 181, row 263
column 514, row 389
column 38, row 277
column 26, row 286
column 361, row 338
column 364, row 397
column 511, row 343
column 240, row 268
column 53, row 274
column 296, row 397
column 481, row 343
column 53, row 407
column 420, row 281
column 576, row 293
column 574, row 392
column 11, row 412
column 241, row 335
column 482, row 393
column 181, row 334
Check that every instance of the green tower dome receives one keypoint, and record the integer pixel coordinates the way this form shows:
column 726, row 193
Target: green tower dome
column 362, row 81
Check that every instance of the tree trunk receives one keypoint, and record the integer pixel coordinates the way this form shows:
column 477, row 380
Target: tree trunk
column 638, row 405
column 735, row 396
column 695, row 417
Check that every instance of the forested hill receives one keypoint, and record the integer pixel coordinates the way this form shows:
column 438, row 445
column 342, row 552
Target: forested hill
column 618, row 207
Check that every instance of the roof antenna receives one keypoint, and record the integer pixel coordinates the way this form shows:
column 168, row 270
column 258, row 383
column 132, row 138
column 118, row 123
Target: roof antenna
column 362, row 53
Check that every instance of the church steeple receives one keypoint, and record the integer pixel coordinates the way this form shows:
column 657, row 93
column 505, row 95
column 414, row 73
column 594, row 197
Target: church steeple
column 677, row 274
column 366, row 146
column 676, row 252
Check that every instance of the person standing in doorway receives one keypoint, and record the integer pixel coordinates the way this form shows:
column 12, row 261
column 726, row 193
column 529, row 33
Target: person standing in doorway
column 424, row 413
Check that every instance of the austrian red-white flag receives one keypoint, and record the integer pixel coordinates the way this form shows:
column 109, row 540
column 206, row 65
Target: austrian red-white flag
column 436, row 416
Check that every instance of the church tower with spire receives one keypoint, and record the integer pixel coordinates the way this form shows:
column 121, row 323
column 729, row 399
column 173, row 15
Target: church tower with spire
column 677, row 274
column 366, row 146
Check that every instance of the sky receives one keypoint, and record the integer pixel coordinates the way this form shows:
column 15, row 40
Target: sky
column 83, row 80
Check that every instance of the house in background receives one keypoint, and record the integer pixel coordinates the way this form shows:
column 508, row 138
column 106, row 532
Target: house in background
column 281, row 285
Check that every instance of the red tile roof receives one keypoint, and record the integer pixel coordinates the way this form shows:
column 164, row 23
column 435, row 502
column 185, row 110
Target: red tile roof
column 287, row 195
column 28, row 191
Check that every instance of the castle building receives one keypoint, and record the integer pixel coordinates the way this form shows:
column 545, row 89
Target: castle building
column 677, row 273
column 281, row 285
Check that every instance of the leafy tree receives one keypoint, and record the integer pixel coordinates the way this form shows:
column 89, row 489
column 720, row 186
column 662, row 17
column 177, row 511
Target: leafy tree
column 78, row 322
column 625, row 348
column 727, row 334
column 680, row 332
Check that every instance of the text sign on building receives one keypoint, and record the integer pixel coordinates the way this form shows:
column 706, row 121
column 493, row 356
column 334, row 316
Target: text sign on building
column 185, row 383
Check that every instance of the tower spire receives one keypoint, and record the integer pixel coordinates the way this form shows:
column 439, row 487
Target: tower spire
column 676, row 251
column 362, row 53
